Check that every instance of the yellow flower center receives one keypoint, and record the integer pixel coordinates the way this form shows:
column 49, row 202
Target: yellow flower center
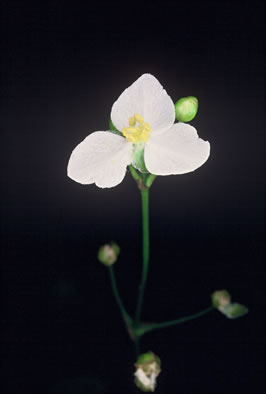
column 138, row 130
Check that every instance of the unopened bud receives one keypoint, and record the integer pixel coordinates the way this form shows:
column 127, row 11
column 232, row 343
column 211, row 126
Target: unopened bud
column 186, row 108
column 108, row 253
column 148, row 367
column 220, row 299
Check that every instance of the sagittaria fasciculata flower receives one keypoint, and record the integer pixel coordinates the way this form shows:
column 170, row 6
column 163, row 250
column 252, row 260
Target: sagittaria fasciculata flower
column 144, row 114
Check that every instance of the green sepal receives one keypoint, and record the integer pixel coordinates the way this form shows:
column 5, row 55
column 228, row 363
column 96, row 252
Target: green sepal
column 235, row 310
column 116, row 248
column 113, row 129
column 147, row 358
column 138, row 158
column 150, row 180
column 134, row 173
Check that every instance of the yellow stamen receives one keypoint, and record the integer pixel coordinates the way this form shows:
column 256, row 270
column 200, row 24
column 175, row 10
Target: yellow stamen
column 139, row 118
column 138, row 130
column 132, row 121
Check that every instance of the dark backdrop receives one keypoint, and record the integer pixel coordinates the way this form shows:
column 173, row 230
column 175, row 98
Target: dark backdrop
column 63, row 66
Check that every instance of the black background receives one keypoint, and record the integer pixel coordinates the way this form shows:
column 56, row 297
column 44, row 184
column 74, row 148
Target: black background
column 63, row 66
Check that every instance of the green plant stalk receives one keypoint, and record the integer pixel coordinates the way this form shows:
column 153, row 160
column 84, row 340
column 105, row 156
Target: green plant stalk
column 119, row 302
column 156, row 326
column 145, row 251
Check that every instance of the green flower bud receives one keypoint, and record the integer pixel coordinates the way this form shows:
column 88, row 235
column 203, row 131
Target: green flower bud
column 108, row 253
column 220, row 299
column 186, row 108
column 148, row 367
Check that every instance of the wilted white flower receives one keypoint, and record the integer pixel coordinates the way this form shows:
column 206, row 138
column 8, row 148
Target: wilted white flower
column 148, row 368
column 221, row 300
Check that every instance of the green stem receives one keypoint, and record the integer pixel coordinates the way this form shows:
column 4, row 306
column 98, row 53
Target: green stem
column 156, row 326
column 146, row 251
column 123, row 311
column 136, row 342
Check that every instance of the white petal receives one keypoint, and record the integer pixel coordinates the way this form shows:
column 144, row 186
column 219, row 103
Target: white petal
column 177, row 151
column 142, row 377
column 147, row 98
column 101, row 158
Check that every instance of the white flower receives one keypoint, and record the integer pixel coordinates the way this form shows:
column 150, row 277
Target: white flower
column 145, row 115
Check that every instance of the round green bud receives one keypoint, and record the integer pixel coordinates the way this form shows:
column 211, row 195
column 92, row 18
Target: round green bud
column 108, row 253
column 220, row 299
column 186, row 108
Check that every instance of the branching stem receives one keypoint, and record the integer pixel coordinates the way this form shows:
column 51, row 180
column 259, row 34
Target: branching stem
column 119, row 302
column 143, row 329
